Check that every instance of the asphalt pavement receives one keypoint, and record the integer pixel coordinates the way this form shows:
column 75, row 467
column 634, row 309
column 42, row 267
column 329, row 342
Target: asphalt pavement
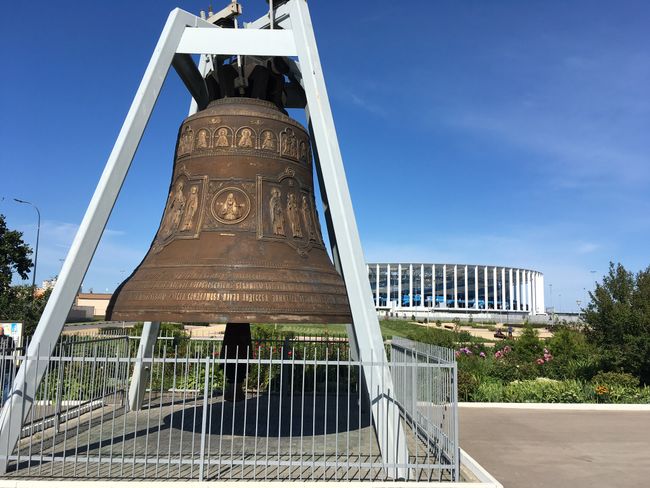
column 525, row 448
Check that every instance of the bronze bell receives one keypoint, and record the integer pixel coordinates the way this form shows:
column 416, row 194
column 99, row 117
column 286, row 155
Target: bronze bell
column 239, row 240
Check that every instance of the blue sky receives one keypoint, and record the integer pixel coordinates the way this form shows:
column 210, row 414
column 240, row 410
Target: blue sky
column 502, row 132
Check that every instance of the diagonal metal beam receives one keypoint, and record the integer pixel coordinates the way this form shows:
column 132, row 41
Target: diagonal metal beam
column 29, row 376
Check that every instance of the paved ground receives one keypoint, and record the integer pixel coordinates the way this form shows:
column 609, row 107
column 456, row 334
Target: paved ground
column 559, row 448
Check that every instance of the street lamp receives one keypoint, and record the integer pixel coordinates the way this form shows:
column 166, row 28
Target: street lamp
column 38, row 233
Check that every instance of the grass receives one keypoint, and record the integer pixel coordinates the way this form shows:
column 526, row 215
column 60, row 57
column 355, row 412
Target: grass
column 389, row 328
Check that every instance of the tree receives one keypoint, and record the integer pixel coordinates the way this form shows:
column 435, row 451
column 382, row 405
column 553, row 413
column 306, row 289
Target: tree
column 14, row 255
column 618, row 321
column 17, row 302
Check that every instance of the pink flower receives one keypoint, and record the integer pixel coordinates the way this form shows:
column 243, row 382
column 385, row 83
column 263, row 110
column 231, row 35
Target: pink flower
column 498, row 354
column 545, row 351
column 507, row 349
column 540, row 361
column 482, row 354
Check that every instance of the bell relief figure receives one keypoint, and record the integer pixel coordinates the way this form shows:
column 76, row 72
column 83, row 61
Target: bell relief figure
column 174, row 211
column 185, row 142
column 230, row 209
column 303, row 152
column 293, row 150
column 222, row 138
column 306, row 215
column 294, row 218
column 268, row 140
column 289, row 147
column 190, row 208
column 202, row 139
column 245, row 139
column 277, row 215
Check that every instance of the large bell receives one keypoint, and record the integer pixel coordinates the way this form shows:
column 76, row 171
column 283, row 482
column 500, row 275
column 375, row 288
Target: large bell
column 239, row 240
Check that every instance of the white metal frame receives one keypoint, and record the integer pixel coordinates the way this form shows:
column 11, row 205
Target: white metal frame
column 187, row 33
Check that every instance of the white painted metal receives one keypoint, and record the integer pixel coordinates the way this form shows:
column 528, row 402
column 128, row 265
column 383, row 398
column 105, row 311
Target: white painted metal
column 421, row 285
column 377, row 286
column 503, row 288
column 494, row 286
column 141, row 367
column 444, row 285
column 485, row 287
column 388, row 277
column 510, row 288
column 433, row 285
column 370, row 343
column 410, row 285
column 518, row 290
column 92, row 226
column 246, row 42
column 399, row 285
column 455, row 286
column 349, row 253
column 466, row 288
column 476, row 287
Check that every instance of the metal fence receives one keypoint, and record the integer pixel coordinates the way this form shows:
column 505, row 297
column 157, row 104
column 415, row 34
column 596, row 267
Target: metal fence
column 305, row 415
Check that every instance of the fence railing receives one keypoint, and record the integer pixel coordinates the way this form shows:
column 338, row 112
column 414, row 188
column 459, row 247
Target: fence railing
column 283, row 410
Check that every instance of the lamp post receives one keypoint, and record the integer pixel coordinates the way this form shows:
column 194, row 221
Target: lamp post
column 38, row 233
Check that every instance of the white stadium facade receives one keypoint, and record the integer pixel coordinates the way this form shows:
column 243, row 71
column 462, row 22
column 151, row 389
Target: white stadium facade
column 463, row 289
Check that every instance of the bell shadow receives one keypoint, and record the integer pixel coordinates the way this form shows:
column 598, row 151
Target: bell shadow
column 275, row 415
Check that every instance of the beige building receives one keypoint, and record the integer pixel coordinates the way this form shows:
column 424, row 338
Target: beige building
column 98, row 301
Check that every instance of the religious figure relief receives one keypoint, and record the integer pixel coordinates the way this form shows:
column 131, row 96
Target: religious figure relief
column 222, row 138
column 202, row 139
column 268, row 140
column 306, row 216
column 294, row 217
column 230, row 206
column 185, row 141
column 277, row 214
column 230, row 209
column 174, row 210
column 303, row 152
column 245, row 139
column 289, row 144
column 191, row 207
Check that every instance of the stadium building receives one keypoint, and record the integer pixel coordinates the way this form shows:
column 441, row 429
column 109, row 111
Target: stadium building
column 460, row 289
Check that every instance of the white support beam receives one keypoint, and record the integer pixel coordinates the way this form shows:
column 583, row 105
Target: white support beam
column 410, row 286
column 142, row 367
column 204, row 38
column 421, row 285
column 388, row 285
column 518, row 289
column 485, row 287
column 476, row 287
column 377, row 285
column 503, row 288
column 444, row 285
column 390, row 434
column 455, row 286
column 494, row 286
column 433, row 286
column 46, row 335
column 399, row 285
column 244, row 42
column 510, row 288
column 466, row 288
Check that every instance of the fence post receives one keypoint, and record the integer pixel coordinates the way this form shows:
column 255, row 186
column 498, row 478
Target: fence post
column 204, row 419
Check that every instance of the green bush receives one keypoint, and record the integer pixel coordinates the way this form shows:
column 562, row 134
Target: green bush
column 614, row 379
column 489, row 391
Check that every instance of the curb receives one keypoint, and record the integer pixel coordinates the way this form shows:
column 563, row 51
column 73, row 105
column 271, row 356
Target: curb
column 596, row 407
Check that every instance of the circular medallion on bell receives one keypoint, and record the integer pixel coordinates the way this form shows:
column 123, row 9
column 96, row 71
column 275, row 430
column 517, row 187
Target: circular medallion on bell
column 230, row 205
